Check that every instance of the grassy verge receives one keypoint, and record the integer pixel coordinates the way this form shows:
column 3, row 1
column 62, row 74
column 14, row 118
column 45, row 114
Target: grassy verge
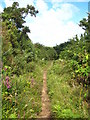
column 67, row 97
column 23, row 99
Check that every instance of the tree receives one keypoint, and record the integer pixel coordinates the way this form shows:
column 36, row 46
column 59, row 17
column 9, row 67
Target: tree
column 18, row 15
column 17, row 48
column 85, row 24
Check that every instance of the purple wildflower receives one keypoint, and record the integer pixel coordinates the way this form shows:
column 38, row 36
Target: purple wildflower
column 8, row 86
column 7, row 82
column 7, row 78
column 5, row 69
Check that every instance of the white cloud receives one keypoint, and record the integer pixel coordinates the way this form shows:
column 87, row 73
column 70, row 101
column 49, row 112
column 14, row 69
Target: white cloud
column 54, row 26
column 1, row 9
column 51, row 26
column 8, row 2
column 53, row 31
column 65, row 11
column 22, row 3
column 41, row 5
column 58, row 1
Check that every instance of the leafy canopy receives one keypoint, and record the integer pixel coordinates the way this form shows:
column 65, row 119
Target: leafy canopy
column 18, row 15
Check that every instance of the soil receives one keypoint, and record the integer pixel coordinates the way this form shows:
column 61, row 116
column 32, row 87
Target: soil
column 45, row 113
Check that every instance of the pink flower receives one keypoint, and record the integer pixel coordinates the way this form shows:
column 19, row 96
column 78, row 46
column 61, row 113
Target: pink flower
column 8, row 86
column 7, row 78
column 5, row 69
column 7, row 82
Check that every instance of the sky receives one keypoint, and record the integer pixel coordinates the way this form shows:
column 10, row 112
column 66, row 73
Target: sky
column 56, row 22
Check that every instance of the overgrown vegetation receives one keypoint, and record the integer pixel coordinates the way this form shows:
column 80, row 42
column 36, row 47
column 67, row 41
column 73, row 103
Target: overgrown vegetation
column 22, row 69
column 76, row 52
column 21, row 95
column 45, row 53
column 68, row 99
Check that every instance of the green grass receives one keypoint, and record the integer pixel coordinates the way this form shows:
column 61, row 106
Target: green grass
column 23, row 100
column 65, row 94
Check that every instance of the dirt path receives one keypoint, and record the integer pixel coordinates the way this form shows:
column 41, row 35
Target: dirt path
column 45, row 113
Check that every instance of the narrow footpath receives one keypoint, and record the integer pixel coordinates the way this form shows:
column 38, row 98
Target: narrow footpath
column 45, row 113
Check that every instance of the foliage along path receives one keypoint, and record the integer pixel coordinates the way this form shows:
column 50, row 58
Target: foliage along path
column 45, row 113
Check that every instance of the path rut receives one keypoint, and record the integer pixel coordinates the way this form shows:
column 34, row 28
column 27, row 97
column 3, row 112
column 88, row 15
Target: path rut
column 45, row 113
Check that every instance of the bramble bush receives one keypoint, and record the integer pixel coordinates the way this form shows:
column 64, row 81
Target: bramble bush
column 78, row 58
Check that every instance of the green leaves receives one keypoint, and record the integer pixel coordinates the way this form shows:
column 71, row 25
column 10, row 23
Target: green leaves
column 18, row 49
column 87, row 57
column 45, row 53
column 13, row 116
column 17, row 15
column 76, row 51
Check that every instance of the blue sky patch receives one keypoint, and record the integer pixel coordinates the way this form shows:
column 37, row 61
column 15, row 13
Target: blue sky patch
column 2, row 3
column 56, row 22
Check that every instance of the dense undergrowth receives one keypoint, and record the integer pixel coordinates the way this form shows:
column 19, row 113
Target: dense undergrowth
column 21, row 96
column 77, row 52
column 22, row 69
column 22, row 65
column 67, row 97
